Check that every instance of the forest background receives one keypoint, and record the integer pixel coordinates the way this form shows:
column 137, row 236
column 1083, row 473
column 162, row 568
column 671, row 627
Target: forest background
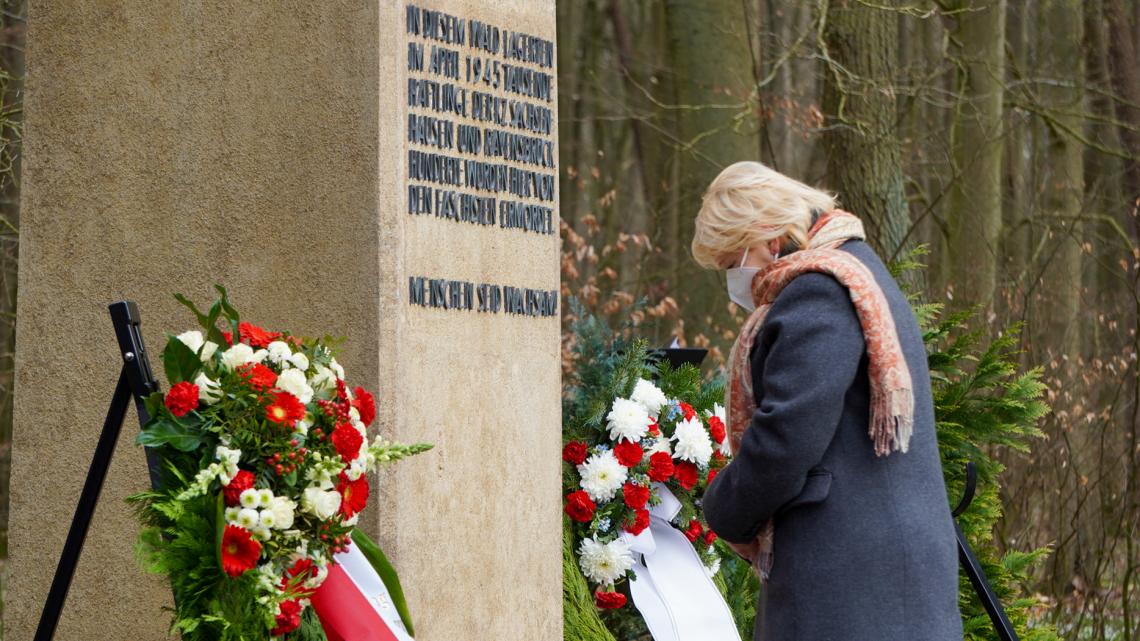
column 1004, row 136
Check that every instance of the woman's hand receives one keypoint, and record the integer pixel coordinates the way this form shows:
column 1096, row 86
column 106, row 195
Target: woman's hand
column 746, row 550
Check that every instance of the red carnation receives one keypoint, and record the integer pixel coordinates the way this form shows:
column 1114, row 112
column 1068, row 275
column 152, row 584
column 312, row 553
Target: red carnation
column 258, row 376
column 711, row 476
column 285, row 409
column 694, row 531
column 628, row 453
column 364, row 403
column 353, row 494
column 574, row 452
column 660, row 467
column 653, row 429
column 229, row 338
column 640, row 522
column 609, row 600
column 716, row 429
column 182, row 398
column 690, row 413
column 686, row 474
column 347, row 441
column 239, row 551
column 636, row 496
column 579, row 506
column 710, row 536
column 241, row 482
column 289, row 619
column 255, row 335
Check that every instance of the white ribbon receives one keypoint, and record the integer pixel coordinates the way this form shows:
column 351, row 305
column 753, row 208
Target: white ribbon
column 364, row 576
column 673, row 591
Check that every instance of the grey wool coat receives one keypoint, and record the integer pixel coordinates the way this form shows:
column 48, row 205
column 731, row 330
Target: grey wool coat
column 864, row 546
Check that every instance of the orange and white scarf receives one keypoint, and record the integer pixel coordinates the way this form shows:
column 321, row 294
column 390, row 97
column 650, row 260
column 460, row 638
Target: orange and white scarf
column 892, row 398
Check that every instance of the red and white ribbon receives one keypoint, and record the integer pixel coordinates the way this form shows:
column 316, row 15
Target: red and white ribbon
column 354, row 605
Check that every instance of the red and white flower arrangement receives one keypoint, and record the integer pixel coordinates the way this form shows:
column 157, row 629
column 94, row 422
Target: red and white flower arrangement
column 647, row 441
column 265, row 453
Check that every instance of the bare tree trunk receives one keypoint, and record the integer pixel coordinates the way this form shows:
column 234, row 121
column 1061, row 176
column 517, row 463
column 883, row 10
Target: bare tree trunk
column 860, row 109
column 717, row 125
column 975, row 198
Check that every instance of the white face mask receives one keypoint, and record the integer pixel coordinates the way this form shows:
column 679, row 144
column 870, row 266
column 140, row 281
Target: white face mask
column 740, row 284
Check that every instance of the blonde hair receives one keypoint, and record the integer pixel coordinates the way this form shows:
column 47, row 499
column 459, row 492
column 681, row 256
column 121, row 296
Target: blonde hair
column 750, row 203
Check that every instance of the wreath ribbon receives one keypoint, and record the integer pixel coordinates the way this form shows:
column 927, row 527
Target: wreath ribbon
column 675, row 595
column 353, row 603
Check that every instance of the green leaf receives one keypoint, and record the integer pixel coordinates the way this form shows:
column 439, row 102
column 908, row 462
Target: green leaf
column 387, row 573
column 180, row 362
column 219, row 526
column 176, row 434
column 231, row 313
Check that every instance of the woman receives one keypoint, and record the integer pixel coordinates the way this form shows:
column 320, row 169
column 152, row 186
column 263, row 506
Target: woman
column 835, row 491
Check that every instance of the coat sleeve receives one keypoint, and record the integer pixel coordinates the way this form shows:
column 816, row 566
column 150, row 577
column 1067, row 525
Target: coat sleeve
column 806, row 354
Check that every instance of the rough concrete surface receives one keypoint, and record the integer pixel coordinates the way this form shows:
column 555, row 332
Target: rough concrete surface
column 172, row 145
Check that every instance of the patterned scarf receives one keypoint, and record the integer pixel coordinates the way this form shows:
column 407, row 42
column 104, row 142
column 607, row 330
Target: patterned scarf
column 892, row 399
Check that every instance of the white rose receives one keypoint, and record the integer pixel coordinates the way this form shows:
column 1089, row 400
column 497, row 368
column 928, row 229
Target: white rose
column 300, row 361
column 320, row 503
column 239, row 354
column 260, row 355
column 336, row 368
column 293, row 381
column 282, row 509
column 208, row 349
column 209, row 391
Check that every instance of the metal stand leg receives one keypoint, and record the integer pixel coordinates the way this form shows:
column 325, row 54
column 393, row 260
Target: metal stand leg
column 135, row 380
column 974, row 570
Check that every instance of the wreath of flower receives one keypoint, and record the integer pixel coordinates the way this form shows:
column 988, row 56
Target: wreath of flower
column 264, row 454
column 647, row 437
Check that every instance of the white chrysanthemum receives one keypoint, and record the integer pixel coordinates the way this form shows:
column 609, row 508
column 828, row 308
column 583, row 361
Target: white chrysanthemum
column 249, row 498
column 248, row 518
column 604, row 563
column 267, row 519
column 239, row 354
column 627, row 420
column 602, row 476
column 649, row 396
column 264, row 498
column 279, row 352
column 209, row 391
column 718, row 411
column 293, row 381
column 232, row 514
column 693, row 442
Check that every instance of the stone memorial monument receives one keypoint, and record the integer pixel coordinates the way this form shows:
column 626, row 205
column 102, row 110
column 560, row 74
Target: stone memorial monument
column 384, row 171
